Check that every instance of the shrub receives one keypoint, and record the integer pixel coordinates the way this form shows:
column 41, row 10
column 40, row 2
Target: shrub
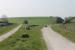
column 25, row 22
column 25, row 36
column 59, row 20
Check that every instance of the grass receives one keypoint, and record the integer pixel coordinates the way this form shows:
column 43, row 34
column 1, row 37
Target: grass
column 5, row 29
column 40, row 20
column 15, row 42
column 33, row 20
column 67, row 30
column 35, row 40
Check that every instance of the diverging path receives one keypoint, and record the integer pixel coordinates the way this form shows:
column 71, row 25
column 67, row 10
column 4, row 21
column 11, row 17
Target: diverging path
column 55, row 41
column 6, row 35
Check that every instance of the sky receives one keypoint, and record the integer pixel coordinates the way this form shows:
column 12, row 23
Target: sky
column 19, row 8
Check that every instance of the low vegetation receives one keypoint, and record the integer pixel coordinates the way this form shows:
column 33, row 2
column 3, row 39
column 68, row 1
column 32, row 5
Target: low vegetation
column 27, row 39
column 67, row 29
column 24, row 40
column 4, row 29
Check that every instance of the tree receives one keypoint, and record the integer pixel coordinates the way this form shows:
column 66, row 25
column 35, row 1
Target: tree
column 59, row 20
column 25, row 22
column 27, row 27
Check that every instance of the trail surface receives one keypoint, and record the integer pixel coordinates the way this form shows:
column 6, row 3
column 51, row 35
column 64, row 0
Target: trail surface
column 55, row 41
column 6, row 35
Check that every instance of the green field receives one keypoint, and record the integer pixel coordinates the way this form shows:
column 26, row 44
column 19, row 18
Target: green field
column 35, row 40
column 15, row 42
column 33, row 20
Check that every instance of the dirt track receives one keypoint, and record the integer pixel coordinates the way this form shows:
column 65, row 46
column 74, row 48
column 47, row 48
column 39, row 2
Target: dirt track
column 6, row 35
column 55, row 41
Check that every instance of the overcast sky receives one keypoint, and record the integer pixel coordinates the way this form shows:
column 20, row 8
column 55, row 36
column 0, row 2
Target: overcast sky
column 15, row 8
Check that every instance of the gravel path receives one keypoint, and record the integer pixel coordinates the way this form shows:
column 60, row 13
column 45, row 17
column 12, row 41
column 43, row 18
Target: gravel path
column 6, row 35
column 55, row 41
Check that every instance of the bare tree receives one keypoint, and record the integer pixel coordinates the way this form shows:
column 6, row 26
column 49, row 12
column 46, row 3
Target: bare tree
column 4, row 18
column 68, row 19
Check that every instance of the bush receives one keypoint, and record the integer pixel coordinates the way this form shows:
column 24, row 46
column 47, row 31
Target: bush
column 25, row 22
column 25, row 36
column 59, row 20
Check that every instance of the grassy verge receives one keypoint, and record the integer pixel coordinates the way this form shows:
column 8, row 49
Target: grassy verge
column 5, row 29
column 16, row 42
column 67, row 30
